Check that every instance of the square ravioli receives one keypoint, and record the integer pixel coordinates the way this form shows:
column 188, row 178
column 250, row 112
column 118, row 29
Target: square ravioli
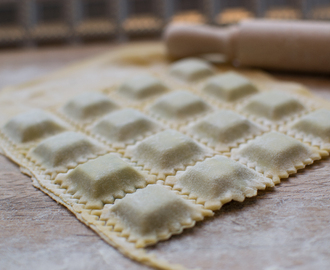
column 179, row 105
column 276, row 155
column 229, row 87
column 314, row 127
column 154, row 213
column 166, row 151
column 223, row 129
column 141, row 87
column 218, row 180
column 273, row 106
column 102, row 180
column 65, row 150
column 32, row 126
column 88, row 106
column 125, row 126
column 191, row 69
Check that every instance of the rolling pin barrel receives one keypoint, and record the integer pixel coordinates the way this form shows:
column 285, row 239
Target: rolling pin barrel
column 281, row 45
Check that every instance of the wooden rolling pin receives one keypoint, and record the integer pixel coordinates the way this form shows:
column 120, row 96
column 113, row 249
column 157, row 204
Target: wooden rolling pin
column 271, row 44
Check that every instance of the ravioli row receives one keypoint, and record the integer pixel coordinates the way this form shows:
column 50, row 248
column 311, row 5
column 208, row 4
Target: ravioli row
column 219, row 129
column 179, row 105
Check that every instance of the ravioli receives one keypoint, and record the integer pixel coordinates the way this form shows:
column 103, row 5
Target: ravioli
column 154, row 213
column 276, row 155
column 167, row 151
column 32, row 126
column 125, row 126
column 179, row 105
column 65, row 150
column 142, row 87
column 191, row 69
column 88, row 106
column 218, row 180
column 102, row 180
column 273, row 106
column 315, row 127
column 223, row 129
column 229, row 87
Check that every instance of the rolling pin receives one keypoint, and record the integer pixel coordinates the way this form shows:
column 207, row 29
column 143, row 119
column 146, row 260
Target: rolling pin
column 271, row 44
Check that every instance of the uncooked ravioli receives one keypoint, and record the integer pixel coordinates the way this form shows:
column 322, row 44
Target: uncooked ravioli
column 138, row 176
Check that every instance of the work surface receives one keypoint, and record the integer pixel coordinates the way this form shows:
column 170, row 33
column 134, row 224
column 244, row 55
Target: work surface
column 287, row 227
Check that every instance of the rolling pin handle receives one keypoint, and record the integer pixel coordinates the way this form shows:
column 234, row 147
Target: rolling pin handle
column 184, row 40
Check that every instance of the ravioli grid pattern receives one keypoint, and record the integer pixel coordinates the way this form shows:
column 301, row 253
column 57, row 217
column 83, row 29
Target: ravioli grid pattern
column 92, row 217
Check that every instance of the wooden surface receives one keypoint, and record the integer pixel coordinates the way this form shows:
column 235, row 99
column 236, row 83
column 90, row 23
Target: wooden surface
column 287, row 227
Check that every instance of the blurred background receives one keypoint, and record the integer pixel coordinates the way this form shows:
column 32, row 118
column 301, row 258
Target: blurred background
column 40, row 22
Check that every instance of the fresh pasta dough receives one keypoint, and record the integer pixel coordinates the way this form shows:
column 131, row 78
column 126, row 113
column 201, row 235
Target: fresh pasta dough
column 143, row 149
